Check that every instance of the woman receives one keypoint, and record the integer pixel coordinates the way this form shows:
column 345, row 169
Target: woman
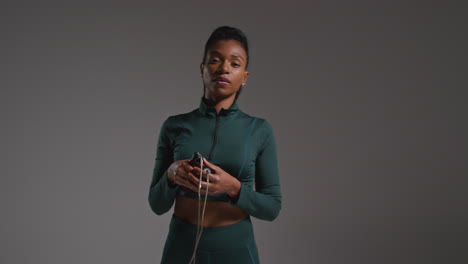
column 240, row 151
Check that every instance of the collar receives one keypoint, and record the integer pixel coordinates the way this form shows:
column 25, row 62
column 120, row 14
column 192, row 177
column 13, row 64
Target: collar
column 211, row 111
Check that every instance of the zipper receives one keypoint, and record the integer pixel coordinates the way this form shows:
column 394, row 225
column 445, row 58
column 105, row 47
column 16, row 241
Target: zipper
column 210, row 157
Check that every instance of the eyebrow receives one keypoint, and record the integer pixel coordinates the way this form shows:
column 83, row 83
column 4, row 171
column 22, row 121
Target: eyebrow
column 233, row 55
column 237, row 56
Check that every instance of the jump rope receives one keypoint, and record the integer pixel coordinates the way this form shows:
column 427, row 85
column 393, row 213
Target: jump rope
column 200, row 214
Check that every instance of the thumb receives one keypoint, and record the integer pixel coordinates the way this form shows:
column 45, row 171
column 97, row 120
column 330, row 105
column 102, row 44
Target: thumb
column 209, row 164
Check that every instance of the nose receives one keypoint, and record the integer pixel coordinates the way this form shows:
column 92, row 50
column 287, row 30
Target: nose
column 223, row 67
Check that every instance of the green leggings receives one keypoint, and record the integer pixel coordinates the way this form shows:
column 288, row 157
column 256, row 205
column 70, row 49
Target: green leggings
column 233, row 243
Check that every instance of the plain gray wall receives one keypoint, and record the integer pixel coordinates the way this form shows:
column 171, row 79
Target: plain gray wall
column 367, row 101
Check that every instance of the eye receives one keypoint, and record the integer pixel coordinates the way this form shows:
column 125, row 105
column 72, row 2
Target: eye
column 213, row 60
column 235, row 64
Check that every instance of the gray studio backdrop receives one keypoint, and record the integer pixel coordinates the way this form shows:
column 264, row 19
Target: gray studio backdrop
column 367, row 102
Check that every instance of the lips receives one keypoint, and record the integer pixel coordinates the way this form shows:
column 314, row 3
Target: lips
column 222, row 80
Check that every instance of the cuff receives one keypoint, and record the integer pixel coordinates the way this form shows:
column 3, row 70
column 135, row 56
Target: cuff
column 242, row 196
column 169, row 189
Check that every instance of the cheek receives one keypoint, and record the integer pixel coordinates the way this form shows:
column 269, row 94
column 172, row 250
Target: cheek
column 239, row 79
column 207, row 75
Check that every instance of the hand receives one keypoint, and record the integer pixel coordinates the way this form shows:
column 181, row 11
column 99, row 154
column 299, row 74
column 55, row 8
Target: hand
column 181, row 172
column 220, row 181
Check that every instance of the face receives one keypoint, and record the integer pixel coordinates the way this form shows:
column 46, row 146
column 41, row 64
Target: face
column 223, row 70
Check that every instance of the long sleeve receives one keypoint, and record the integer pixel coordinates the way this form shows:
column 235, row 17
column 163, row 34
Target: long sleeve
column 265, row 201
column 161, row 194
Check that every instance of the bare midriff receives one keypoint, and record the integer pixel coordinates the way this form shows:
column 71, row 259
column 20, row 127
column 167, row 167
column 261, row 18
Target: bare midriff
column 216, row 213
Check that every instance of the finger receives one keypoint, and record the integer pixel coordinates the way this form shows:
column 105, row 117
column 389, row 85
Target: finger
column 180, row 170
column 196, row 170
column 194, row 179
column 204, row 174
column 186, row 183
column 204, row 185
column 214, row 178
column 186, row 165
column 186, row 177
column 211, row 188
column 207, row 176
column 210, row 165
column 194, row 188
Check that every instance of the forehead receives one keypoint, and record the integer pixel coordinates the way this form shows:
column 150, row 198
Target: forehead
column 227, row 48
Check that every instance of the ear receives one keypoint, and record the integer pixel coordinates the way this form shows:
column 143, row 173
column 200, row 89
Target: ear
column 201, row 68
column 246, row 75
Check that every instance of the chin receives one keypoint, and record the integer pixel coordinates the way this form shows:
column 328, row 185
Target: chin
column 220, row 94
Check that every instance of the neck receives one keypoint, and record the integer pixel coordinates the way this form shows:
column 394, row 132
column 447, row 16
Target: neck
column 219, row 103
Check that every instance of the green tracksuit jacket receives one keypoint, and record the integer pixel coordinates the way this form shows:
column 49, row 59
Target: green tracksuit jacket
column 242, row 145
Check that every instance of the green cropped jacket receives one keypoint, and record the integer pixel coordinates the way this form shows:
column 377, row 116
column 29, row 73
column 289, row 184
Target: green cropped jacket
column 242, row 145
